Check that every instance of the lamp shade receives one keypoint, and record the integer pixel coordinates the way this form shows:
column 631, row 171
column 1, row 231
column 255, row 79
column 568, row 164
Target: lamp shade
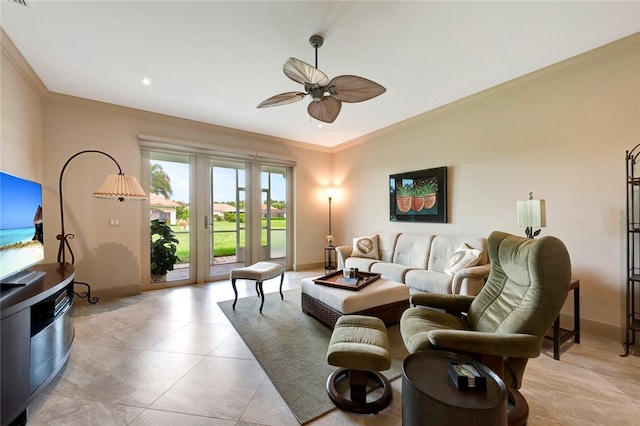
column 122, row 187
column 531, row 213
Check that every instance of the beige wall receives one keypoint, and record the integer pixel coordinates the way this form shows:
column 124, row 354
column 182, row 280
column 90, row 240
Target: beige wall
column 73, row 125
column 20, row 116
column 562, row 135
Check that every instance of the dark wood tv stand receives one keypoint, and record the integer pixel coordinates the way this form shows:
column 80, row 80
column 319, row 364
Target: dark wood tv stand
column 36, row 336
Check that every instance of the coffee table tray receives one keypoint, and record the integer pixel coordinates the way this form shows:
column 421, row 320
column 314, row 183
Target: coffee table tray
column 337, row 279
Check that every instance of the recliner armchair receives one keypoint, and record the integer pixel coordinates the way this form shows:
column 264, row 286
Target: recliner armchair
column 504, row 325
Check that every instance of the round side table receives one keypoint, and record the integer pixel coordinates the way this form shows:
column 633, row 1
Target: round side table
column 429, row 396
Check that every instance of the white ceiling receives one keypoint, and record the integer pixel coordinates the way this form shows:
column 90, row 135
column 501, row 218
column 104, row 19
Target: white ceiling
column 214, row 61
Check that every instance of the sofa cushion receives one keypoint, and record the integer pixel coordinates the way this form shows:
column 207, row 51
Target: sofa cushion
column 428, row 281
column 463, row 257
column 444, row 246
column 366, row 247
column 387, row 245
column 391, row 271
column 413, row 250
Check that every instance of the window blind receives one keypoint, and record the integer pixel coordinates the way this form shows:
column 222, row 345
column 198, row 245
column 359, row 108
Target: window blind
column 192, row 147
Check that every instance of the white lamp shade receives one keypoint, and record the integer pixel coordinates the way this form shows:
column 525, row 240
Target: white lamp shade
column 531, row 213
column 121, row 187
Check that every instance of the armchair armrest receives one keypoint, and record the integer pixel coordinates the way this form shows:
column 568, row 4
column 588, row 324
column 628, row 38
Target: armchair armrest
column 504, row 345
column 476, row 273
column 343, row 253
column 454, row 304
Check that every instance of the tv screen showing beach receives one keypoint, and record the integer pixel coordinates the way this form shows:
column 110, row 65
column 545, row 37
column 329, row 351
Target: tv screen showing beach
column 21, row 234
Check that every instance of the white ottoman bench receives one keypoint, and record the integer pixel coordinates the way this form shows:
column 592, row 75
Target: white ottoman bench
column 384, row 299
column 258, row 272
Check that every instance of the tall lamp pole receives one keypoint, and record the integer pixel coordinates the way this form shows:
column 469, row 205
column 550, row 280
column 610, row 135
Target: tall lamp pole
column 330, row 196
column 118, row 186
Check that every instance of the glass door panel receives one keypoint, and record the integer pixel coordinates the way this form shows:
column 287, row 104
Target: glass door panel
column 274, row 218
column 227, row 233
column 169, row 204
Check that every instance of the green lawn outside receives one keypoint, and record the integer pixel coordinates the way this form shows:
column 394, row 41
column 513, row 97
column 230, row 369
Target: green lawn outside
column 225, row 242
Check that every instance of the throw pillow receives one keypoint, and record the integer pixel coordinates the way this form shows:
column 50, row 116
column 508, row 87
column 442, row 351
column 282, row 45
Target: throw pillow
column 463, row 257
column 366, row 247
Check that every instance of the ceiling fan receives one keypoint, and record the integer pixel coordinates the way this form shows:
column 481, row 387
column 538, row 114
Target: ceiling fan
column 326, row 95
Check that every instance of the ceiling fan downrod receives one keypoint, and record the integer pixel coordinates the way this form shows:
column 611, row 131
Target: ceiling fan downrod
column 316, row 41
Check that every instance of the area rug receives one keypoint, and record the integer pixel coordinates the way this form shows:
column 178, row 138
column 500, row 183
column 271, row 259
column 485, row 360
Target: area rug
column 291, row 347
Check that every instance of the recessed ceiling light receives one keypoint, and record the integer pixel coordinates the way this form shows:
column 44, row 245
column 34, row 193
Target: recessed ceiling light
column 145, row 81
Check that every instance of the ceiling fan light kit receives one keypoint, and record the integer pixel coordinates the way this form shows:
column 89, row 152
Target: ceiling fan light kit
column 326, row 95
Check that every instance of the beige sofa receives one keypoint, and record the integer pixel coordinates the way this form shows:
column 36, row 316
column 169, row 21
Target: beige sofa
column 425, row 263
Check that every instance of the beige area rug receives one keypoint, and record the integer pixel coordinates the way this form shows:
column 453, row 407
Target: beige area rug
column 291, row 347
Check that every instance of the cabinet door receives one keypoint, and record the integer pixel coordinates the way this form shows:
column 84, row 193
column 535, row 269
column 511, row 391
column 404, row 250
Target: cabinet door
column 15, row 352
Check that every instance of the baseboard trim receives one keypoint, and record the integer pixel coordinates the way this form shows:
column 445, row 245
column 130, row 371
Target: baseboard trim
column 307, row 266
column 110, row 293
column 596, row 328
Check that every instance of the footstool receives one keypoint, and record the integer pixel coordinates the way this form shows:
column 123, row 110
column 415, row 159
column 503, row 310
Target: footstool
column 360, row 346
column 258, row 272
column 384, row 299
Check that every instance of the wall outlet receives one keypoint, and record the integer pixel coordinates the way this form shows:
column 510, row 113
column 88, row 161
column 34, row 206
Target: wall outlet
column 114, row 222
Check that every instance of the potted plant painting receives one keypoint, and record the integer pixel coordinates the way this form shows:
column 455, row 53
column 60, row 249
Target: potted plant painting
column 404, row 195
column 418, row 196
column 417, row 202
column 429, row 191
column 163, row 250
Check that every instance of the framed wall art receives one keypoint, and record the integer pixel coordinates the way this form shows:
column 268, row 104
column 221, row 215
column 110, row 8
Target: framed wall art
column 419, row 196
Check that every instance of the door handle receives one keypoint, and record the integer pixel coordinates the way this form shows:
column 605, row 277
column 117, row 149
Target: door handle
column 206, row 222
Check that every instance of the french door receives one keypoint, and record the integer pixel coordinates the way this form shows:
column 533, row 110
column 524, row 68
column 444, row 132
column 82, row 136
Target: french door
column 225, row 213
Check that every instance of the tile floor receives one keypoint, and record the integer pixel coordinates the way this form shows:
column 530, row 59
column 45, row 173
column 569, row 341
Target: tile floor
column 170, row 357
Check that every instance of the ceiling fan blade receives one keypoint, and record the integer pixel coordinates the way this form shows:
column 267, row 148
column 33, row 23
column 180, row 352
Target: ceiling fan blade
column 351, row 88
column 303, row 73
column 325, row 110
column 282, row 99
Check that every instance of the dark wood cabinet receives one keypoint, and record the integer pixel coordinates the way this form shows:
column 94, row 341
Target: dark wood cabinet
column 37, row 332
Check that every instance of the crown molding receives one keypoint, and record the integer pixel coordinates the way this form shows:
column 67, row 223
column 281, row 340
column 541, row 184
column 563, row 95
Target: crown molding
column 11, row 52
column 15, row 57
column 177, row 121
column 598, row 54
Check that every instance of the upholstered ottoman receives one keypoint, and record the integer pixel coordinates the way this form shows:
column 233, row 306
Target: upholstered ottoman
column 360, row 346
column 258, row 272
column 384, row 299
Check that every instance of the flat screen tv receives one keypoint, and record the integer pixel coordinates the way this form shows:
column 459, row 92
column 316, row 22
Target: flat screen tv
column 21, row 230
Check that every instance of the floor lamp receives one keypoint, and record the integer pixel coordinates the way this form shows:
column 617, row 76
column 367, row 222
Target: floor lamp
column 330, row 192
column 118, row 186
